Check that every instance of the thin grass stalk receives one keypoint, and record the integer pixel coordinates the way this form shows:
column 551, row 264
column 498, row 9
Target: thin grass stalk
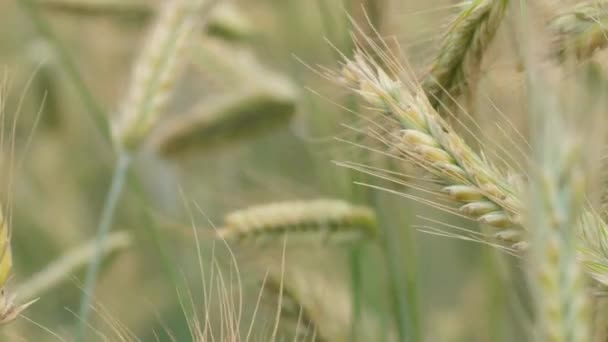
column 105, row 224
column 403, row 293
column 459, row 58
column 44, row 29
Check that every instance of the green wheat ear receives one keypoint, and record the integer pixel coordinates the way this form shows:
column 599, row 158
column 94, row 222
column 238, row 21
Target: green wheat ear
column 459, row 58
column 317, row 220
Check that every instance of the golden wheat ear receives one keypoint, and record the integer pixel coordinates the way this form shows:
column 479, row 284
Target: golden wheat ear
column 318, row 220
column 8, row 309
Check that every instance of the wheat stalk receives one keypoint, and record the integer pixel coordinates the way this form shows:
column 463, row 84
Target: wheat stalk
column 580, row 31
column 481, row 191
column 459, row 58
column 320, row 219
column 556, row 202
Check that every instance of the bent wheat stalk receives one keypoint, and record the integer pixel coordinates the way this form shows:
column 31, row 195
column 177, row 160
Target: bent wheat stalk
column 459, row 58
column 152, row 82
column 321, row 219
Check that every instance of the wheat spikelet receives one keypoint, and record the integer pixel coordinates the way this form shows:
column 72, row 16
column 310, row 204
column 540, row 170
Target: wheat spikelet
column 580, row 31
column 462, row 49
column 155, row 73
column 556, row 202
column 428, row 141
column 324, row 219
column 227, row 119
column 8, row 309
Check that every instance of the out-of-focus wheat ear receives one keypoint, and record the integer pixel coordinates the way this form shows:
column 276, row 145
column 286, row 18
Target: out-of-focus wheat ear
column 155, row 72
column 317, row 220
column 557, row 194
column 580, row 31
column 459, row 58
column 295, row 315
column 426, row 140
column 229, row 23
column 8, row 309
column 61, row 269
column 139, row 9
column 226, row 120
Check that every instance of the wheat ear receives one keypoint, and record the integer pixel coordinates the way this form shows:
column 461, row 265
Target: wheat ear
column 557, row 195
column 426, row 140
column 155, row 73
column 225, row 120
column 459, row 58
column 481, row 191
column 294, row 312
column 62, row 268
column 8, row 309
column 580, row 31
column 321, row 219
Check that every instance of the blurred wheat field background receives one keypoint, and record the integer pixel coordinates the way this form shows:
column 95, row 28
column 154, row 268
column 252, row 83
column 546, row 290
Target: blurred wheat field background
column 330, row 170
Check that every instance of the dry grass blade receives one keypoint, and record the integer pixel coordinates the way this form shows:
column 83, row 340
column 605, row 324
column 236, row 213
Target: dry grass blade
column 457, row 63
column 580, row 31
column 321, row 219
column 426, row 140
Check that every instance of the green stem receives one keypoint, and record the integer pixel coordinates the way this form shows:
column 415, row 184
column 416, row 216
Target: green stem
column 44, row 29
column 105, row 224
column 400, row 289
column 356, row 280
